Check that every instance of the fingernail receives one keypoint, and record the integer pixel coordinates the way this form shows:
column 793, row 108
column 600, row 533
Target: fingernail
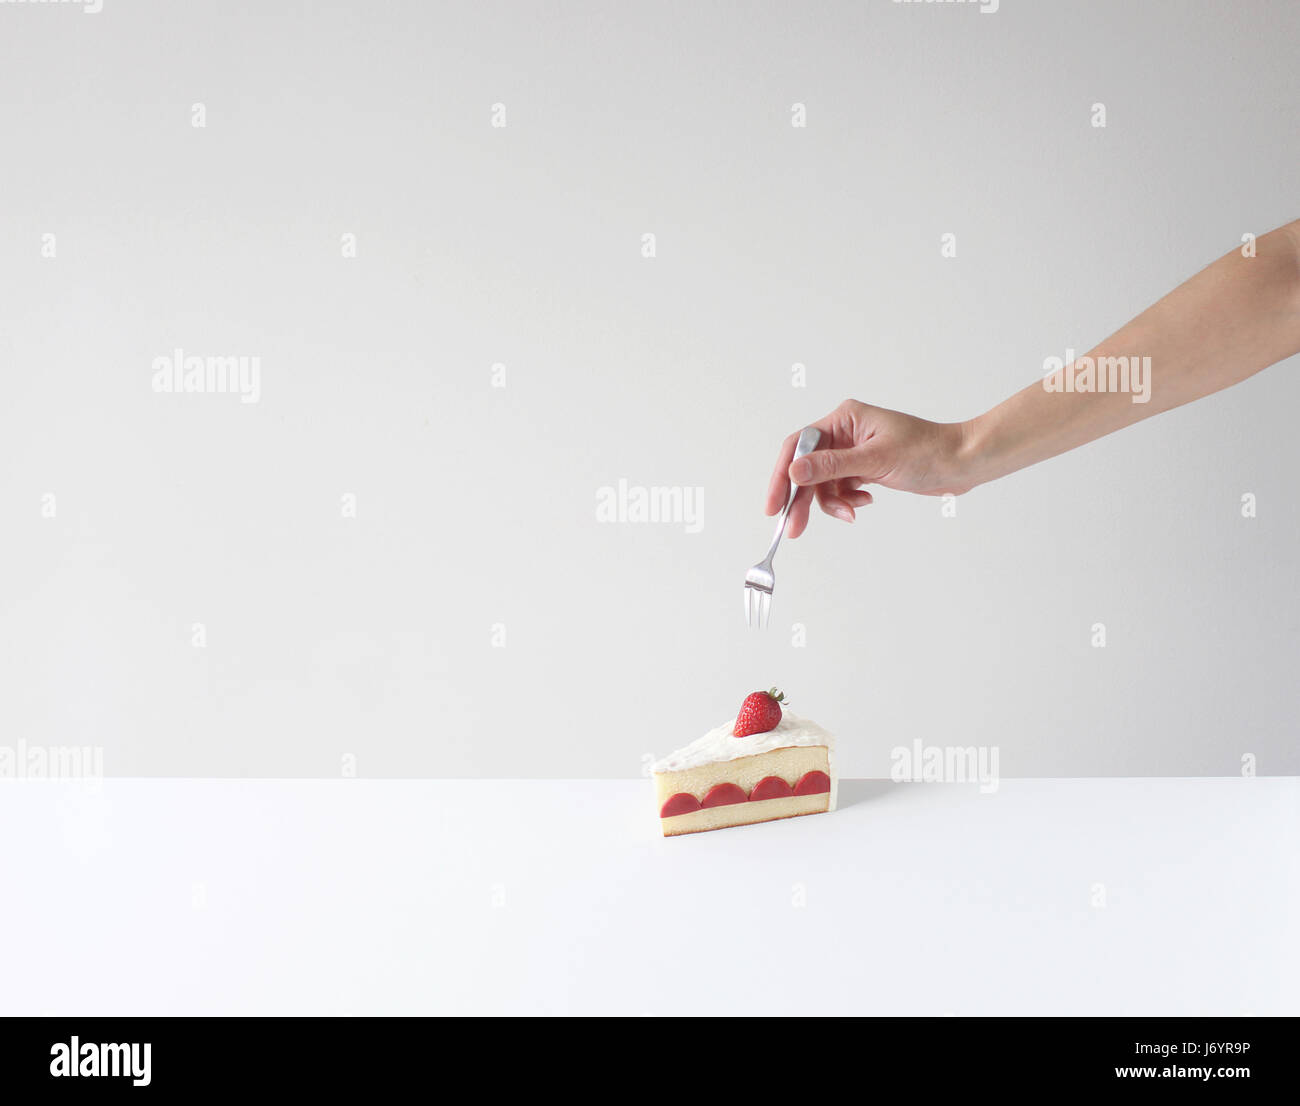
column 844, row 513
column 801, row 469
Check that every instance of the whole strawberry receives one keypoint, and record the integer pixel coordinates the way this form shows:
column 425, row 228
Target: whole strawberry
column 759, row 713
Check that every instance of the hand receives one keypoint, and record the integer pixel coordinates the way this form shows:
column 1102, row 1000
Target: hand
column 867, row 445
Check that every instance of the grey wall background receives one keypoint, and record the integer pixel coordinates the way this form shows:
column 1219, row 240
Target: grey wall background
column 475, row 506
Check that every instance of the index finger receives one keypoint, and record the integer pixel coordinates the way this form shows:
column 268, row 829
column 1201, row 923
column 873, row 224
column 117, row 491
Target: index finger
column 778, row 488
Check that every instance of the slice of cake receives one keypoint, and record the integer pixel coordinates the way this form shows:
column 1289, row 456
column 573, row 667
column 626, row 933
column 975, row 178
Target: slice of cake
column 763, row 765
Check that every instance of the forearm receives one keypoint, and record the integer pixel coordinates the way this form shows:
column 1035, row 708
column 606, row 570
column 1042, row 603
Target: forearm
column 1226, row 323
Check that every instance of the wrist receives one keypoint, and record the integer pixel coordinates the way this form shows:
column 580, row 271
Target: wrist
column 971, row 460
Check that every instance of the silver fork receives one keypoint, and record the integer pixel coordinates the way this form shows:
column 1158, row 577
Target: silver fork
column 760, row 580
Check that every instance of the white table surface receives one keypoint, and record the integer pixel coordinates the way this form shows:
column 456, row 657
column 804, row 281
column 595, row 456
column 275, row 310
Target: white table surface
column 559, row 897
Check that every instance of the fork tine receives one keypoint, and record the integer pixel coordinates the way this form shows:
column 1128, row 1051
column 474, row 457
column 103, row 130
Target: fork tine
column 760, row 578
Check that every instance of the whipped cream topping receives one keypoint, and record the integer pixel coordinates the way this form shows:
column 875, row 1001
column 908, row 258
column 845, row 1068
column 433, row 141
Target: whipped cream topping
column 720, row 745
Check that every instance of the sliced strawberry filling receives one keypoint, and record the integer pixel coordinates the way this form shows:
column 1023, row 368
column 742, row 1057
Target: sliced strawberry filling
column 681, row 803
column 773, row 787
column 724, row 794
column 813, row 783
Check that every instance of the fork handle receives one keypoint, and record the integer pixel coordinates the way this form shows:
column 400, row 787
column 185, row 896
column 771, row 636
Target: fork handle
column 809, row 436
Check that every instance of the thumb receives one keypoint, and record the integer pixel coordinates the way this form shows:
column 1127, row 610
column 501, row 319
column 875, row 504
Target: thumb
column 825, row 464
